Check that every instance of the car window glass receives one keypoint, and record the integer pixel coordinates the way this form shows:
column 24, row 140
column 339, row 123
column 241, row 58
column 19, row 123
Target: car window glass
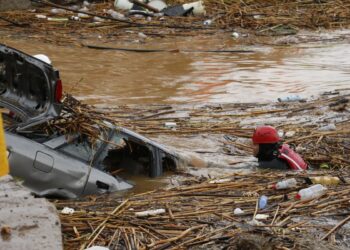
column 38, row 88
column 127, row 155
column 81, row 148
column 114, row 142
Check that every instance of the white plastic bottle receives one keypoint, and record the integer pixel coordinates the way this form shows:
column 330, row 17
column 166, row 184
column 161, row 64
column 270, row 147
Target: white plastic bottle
column 311, row 192
column 289, row 183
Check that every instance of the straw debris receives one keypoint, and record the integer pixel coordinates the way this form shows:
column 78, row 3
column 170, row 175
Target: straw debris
column 266, row 18
column 201, row 214
column 320, row 144
column 318, row 129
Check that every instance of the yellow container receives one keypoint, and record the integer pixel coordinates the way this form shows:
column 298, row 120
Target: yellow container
column 4, row 167
column 325, row 180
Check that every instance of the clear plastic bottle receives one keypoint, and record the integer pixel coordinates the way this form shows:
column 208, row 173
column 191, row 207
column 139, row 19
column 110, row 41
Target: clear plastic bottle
column 311, row 192
column 288, row 183
column 291, row 98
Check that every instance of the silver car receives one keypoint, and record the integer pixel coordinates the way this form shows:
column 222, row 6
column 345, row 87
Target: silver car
column 65, row 166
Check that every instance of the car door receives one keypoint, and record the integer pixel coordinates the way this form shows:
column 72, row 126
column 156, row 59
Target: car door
column 45, row 170
column 74, row 161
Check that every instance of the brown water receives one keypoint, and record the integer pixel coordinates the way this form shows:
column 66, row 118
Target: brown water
column 114, row 77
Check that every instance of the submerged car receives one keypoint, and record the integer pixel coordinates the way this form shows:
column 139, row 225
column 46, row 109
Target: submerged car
column 61, row 165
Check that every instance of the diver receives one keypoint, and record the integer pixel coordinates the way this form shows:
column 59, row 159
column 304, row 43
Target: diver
column 272, row 154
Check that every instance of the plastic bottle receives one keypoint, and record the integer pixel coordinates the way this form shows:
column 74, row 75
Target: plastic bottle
column 291, row 98
column 329, row 127
column 311, row 192
column 82, row 15
column 198, row 8
column 58, row 11
column 86, row 3
column 170, row 124
column 325, row 180
column 289, row 183
column 238, row 211
column 115, row 14
column 157, row 4
column 235, row 34
column 123, row 4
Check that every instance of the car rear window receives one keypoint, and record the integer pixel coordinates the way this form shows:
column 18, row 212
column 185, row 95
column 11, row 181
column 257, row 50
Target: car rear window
column 80, row 148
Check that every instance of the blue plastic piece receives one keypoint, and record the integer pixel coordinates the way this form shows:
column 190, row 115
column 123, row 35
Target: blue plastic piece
column 262, row 202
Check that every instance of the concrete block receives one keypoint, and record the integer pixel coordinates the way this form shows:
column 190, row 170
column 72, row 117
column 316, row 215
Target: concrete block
column 26, row 222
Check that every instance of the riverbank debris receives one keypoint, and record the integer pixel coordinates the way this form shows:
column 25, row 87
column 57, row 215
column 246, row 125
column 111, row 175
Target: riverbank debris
column 269, row 18
column 230, row 126
column 199, row 213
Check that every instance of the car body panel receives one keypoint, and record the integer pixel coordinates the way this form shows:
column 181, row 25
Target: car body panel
column 43, row 162
column 65, row 173
column 99, row 182
column 143, row 139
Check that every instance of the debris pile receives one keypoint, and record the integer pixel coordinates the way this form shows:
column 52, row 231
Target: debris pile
column 214, row 213
column 75, row 118
column 319, row 129
column 261, row 209
column 70, row 24
column 272, row 17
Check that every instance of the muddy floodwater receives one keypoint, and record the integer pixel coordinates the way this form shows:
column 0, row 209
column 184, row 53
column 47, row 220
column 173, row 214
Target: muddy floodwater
column 113, row 77
column 110, row 78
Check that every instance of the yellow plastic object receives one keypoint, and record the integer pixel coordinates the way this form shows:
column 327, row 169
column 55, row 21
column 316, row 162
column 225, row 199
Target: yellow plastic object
column 4, row 166
column 324, row 166
column 325, row 180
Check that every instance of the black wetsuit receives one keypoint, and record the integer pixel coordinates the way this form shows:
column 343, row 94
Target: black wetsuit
column 268, row 157
column 275, row 163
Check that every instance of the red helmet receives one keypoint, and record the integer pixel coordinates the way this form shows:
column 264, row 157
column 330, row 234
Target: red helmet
column 265, row 134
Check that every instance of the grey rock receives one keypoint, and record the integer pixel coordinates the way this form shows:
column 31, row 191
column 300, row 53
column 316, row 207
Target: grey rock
column 14, row 4
column 29, row 223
